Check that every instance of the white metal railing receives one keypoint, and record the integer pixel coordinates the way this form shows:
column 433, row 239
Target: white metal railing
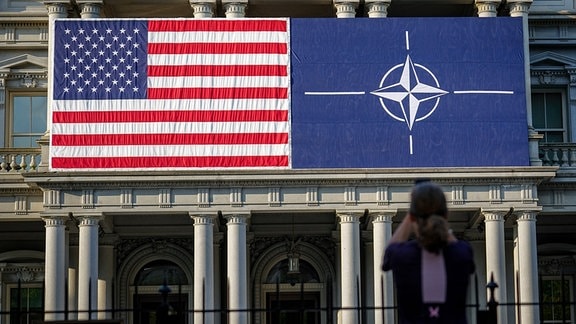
column 19, row 160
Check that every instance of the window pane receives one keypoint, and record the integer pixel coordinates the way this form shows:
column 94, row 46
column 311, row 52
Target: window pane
column 554, row 110
column 38, row 114
column 35, row 295
column 538, row 115
column 554, row 137
column 21, row 115
column 23, row 141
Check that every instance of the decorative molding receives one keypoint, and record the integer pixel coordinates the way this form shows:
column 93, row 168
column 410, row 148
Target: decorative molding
column 350, row 198
column 235, row 10
column 546, row 77
column 28, row 81
column 377, row 9
column 557, row 265
column 88, row 199
column 165, row 198
column 236, row 197
column 527, row 192
column 52, row 199
column 312, row 196
column 495, row 194
column 558, row 198
column 126, row 247
column 382, row 196
column 203, row 197
column 126, row 198
column 274, row 197
column 21, row 205
column 458, row 195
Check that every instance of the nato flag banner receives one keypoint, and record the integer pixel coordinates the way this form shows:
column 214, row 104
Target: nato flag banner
column 397, row 92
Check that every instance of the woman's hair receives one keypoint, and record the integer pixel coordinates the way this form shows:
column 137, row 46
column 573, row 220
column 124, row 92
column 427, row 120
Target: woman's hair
column 428, row 207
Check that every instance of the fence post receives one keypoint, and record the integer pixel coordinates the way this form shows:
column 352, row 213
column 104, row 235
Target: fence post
column 492, row 303
column 163, row 309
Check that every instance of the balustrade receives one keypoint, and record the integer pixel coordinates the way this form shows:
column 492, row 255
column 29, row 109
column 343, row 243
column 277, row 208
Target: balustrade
column 558, row 154
column 19, row 159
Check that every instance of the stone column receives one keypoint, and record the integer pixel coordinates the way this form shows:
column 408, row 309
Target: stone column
column 350, row 265
column 237, row 269
column 235, row 8
column 346, row 9
column 203, row 268
column 496, row 258
column 55, row 268
column 203, row 8
column 56, row 9
column 73, row 272
column 487, row 8
column 105, row 276
column 383, row 282
column 519, row 8
column 90, row 8
column 88, row 266
column 528, row 266
column 377, row 9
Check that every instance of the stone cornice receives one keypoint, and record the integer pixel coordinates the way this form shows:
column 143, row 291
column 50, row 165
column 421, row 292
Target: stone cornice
column 287, row 178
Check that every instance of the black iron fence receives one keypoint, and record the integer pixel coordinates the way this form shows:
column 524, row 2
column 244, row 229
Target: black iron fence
column 295, row 310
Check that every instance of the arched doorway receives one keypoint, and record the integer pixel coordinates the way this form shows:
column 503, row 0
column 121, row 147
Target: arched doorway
column 300, row 303
column 153, row 307
column 283, row 294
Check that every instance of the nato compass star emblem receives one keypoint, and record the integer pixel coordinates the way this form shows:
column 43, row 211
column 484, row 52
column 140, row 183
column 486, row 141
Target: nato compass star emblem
column 409, row 92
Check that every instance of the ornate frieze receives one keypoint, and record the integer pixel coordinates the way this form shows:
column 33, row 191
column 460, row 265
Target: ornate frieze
column 203, row 197
column 88, row 199
column 350, row 198
column 382, row 196
column 274, row 197
column 21, row 205
column 126, row 198
column 458, row 195
column 165, row 198
column 312, row 196
column 236, row 197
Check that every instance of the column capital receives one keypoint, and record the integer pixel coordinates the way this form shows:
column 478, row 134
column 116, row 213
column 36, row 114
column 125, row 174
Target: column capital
column 519, row 8
column 526, row 215
column 57, row 8
column 88, row 219
column 494, row 214
column 236, row 218
column 203, row 8
column 203, row 219
column 90, row 8
column 382, row 216
column 349, row 216
column 487, row 8
column 54, row 220
column 346, row 9
column 235, row 8
column 377, row 9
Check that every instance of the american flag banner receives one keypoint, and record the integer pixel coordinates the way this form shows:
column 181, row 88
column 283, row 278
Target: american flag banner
column 170, row 94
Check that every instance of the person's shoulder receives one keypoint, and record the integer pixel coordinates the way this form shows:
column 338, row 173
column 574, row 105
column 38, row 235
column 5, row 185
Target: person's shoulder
column 407, row 245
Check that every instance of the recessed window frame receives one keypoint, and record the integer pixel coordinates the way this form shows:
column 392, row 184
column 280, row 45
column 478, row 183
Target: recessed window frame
column 565, row 117
column 569, row 299
column 9, row 132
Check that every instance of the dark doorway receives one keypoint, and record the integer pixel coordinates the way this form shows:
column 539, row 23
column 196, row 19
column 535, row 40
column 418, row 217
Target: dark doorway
column 146, row 308
column 293, row 307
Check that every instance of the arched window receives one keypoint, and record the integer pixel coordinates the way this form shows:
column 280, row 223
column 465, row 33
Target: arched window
column 155, row 272
column 280, row 274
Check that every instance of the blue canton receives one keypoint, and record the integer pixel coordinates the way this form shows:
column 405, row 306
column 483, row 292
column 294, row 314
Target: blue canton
column 100, row 59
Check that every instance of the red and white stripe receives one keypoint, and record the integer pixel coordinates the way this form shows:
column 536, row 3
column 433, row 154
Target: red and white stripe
column 218, row 97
